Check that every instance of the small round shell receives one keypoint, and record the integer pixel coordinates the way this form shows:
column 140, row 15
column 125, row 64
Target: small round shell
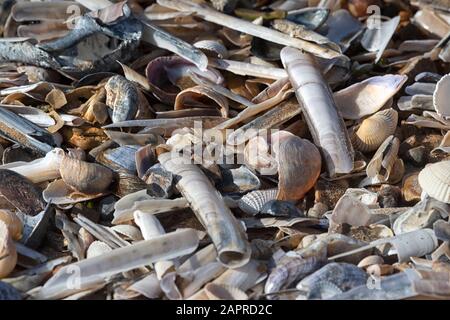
column 441, row 96
column 85, row 177
column 434, row 179
column 97, row 248
column 8, row 253
column 13, row 222
column 253, row 202
column 374, row 130
column 224, row 292
column 212, row 48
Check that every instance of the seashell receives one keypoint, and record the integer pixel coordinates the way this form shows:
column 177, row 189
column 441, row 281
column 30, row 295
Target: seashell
column 212, row 48
column 372, row 131
column 299, row 165
column 323, row 118
column 389, row 196
column 122, row 96
column 318, row 210
column 97, row 248
column 422, row 215
column 257, row 157
column 311, row 18
column 370, row 260
column 279, row 208
column 379, row 270
column 420, row 88
column 85, row 177
column 129, row 232
column 244, row 277
column 345, row 276
column 359, row 8
column 428, row 20
column 323, row 290
column 291, row 269
column 329, row 192
column 428, row 77
column 149, row 287
column 8, row 253
column 254, row 201
column 13, row 223
column 238, row 180
column 145, row 157
column 20, row 193
column 442, row 230
column 35, row 227
column 121, row 158
column 378, row 35
column 268, row 51
column 168, row 75
column 223, row 292
column 59, row 193
column 8, row 292
column 441, row 96
column 367, row 197
column 367, row 97
column 342, row 26
column 434, row 179
column 371, row 233
column 160, row 182
column 201, row 97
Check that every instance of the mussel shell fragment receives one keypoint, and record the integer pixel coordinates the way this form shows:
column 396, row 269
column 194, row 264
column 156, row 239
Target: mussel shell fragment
column 122, row 96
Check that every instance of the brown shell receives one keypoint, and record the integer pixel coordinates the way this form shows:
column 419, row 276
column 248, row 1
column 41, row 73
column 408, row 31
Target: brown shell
column 85, row 177
column 13, row 222
column 299, row 164
column 8, row 253
column 201, row 97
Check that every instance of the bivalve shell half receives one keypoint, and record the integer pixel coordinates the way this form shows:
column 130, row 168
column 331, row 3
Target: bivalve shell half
column 224, row 292
column 254, row 201
column 13, row 222
column 212, row 48
column 441, row 96
column 8, row 253
column 97, row 248
column 435, row 180
column 374, row 130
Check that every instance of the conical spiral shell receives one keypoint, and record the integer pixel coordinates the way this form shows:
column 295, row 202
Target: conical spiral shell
column 253, row 202
column 435, row 180
column 374, row 130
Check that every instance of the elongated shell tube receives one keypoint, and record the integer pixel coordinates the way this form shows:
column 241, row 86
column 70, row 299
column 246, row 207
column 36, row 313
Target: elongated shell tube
column 226, row 232
column 324, row 120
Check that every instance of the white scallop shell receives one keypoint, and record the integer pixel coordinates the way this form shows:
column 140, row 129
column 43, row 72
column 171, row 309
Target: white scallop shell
column 224, row 292
column 441, row 96
column 97, row 248
column 374, row 130
column 367, row 97
column 434, row 179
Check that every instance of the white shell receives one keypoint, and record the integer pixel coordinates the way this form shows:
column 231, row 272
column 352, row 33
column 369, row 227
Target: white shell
column 441, row 96
column 253, row 201
column 97, row 248
column 367, row 97
column 370, row 260
column 60, row 193
column 128, row 231
column 434, row 179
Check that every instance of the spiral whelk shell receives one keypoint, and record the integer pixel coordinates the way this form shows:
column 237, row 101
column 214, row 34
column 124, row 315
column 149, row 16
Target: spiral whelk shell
column 374, row 130
column 435, row 180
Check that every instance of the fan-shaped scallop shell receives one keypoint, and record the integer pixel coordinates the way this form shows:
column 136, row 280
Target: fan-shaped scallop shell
column 441, row 96
column 224, row 292
column 253, row 201
column 374, row 130
column 434, row 179
column 212, row 48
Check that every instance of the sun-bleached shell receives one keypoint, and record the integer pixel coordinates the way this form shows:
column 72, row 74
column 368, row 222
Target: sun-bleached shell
column 128, row 231
column 441, row 96
column 367, row 97
column 435, row 180
column 223, row 292
column 97, row 248
column 374, row 130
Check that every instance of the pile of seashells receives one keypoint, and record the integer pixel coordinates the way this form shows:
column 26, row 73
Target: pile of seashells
column 225, row 149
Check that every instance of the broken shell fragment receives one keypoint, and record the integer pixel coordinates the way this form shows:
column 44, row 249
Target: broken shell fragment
column 8, row 253
column 434, row 179
column 13, row 223
column 90, row 178
column 223, row 292
column 122, row 97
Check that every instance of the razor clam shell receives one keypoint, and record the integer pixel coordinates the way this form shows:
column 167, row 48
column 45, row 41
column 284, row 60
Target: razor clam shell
column 418, row 102
column 254, row 201
column 441, row 96
column 244, row 277
column 35, row 227
column 429, row 21
column 435, row 180
column 97, row 248
column 224, row 292
column 149, row 287
column 323, row 118
column 59, row 193
column 93, row 271
column 129, row 232
column 209, row 207
column 160, row 181
column 8, row 292
column 345, row 276
column 420, row 88
column 119, row 158
column 196, row 96
column 342, row 26
column 374, row 130
column 213, row 48
column 122, row 97
column 142, row 139
column 367, row 97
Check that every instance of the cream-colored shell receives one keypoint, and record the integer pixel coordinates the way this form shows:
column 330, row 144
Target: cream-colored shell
column 441, row 96
column 224, row 292
column 374, row 130
column 434, row 179
column 128, row 231
column 97, row 248
column 12, row 221
column 370, row 260
column 8, row 253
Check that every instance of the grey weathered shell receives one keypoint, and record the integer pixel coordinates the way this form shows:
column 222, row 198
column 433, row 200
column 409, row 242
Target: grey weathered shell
column 216, row 291
column 442, row 230
column 201, row 97
column 422, row 215
column 344, row 275
column 253, row 202
column 212, row 48
column 85, row 177
column 280, row 208
column 8, row 292
column 374, row 130
column 122, row 96
column 238, row 180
